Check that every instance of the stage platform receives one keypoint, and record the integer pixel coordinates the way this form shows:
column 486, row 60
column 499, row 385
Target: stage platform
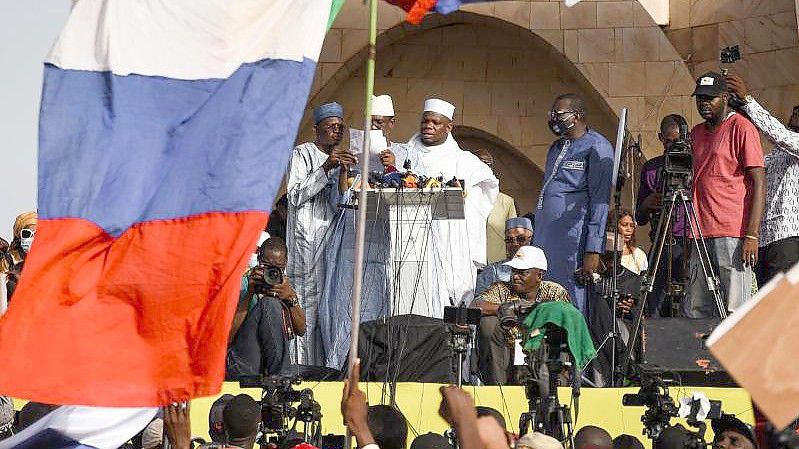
column 420, row 401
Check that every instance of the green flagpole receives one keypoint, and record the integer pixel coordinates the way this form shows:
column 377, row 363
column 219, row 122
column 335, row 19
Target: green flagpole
column 361, row 221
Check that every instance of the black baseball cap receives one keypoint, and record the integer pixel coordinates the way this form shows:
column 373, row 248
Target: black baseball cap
column 711, row 84
column 730, row 422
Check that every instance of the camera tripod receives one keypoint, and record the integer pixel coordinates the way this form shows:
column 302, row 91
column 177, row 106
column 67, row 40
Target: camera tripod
column 672, row 196
column 545, row 412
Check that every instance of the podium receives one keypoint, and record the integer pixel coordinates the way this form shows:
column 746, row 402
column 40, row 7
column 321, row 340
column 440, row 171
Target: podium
column 410, row 214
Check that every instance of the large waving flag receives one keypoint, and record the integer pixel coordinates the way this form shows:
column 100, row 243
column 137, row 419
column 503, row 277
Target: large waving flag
column 165, row 129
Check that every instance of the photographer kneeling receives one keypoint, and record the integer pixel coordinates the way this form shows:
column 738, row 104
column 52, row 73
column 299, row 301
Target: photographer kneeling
column 267, row 318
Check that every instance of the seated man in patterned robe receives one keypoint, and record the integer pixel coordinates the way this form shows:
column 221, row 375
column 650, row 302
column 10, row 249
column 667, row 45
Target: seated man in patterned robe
column 495, row 344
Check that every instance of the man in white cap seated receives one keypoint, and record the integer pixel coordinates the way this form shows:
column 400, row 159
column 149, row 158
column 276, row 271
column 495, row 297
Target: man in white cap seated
column 495, row 344
column 459, row 246
column 314, row 170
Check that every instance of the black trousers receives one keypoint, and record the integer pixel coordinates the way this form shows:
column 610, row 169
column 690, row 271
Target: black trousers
column 777, row 257
column 261, row 347
column 656, row 299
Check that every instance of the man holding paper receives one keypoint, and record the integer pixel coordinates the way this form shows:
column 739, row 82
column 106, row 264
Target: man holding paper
column 458, row 246
column 334, row 306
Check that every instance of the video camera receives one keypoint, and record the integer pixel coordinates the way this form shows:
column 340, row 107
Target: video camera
column 678, row 162
column 278, row 397
column 511, row 313
column 660, row 408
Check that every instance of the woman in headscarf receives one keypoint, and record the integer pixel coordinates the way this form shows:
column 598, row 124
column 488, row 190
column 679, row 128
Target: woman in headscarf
column 12, row 260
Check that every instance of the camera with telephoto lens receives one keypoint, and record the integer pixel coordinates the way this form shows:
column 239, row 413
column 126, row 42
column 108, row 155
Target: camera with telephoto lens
column 511, row 313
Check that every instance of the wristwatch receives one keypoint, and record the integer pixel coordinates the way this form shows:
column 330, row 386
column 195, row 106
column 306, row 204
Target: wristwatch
column 748, row 99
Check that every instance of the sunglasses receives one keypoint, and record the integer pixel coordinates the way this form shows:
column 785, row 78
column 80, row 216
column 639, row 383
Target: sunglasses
column 26, row 233
column 520, row 240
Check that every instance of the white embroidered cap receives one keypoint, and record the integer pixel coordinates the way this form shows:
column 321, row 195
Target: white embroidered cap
column 440, row 106
column 382, row 105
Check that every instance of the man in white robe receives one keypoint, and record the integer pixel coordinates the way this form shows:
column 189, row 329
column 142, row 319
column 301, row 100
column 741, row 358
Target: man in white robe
column 458, row 246
column 312, row 173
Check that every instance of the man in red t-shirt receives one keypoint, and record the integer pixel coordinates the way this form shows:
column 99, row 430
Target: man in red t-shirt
column 729, row 197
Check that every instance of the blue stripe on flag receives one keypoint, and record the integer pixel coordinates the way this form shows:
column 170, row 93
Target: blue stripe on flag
column 118, row 150
column 51, row 439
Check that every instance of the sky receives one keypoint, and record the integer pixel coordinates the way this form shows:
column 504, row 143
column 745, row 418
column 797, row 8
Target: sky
column 27, row 31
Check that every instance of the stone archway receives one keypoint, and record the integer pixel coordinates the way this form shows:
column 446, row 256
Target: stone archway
column 501, row 78
column 518, row 176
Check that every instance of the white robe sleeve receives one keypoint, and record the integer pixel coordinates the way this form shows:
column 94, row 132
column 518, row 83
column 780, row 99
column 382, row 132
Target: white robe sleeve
column 304, row 180
column 482, row 188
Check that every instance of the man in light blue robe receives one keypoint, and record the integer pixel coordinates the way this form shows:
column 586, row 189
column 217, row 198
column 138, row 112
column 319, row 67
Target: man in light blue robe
column 573, row 207
column 335, row 311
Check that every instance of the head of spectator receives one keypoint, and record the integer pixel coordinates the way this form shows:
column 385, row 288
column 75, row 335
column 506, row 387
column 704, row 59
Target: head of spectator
column 431, row 441
column 528, row 267
column 626, row 441
column 241, row 417
column 383, row 114
column 674, row 437
column 518, row 233
column 732, row 433
column 32, row 412
column 793, row 121
column 328, row 125
column 3, row 245
column 152, row 436
column 484, row 412
column 568, row 115
column 6, row 417
column 536, row 440
column 626, row 226
column 670, row 129
column 273, row 253
column 216, row 421
column 592, row 437
column 388, row 426
column 712, row 98
column 436, row 121
column 24, row 231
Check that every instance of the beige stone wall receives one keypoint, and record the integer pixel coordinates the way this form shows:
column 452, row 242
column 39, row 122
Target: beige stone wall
column 766, row 31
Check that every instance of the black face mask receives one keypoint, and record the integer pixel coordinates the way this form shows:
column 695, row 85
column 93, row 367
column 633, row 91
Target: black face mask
column 560, row 126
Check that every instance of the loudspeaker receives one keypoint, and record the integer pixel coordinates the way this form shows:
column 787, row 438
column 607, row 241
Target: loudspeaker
column 406, row 348
column 677, row 345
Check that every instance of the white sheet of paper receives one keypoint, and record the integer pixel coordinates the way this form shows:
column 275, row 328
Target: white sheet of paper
column 377, row 142
column 518, row 353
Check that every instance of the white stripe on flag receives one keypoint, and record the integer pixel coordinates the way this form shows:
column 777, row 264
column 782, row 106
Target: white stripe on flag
column 188, row 39
column 100, row 427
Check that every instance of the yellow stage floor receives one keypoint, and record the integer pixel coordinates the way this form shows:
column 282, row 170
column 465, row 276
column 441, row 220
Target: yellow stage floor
column 419, row 402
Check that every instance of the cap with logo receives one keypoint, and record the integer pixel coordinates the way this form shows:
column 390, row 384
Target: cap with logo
column 711, row 84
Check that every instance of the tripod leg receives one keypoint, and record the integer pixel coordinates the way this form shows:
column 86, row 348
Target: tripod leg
column 655, row 255
column 700, row 246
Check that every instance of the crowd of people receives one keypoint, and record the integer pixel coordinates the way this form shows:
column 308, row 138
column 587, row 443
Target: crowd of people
column 294, row 306
column 298, row 284
column 234, row 422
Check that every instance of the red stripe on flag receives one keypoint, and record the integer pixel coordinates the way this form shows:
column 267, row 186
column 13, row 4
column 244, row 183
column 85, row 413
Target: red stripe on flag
column 141, row 320
column 416, row 9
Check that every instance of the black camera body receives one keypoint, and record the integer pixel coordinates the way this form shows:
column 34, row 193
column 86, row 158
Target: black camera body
column 678, row 162
column 512, row 313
